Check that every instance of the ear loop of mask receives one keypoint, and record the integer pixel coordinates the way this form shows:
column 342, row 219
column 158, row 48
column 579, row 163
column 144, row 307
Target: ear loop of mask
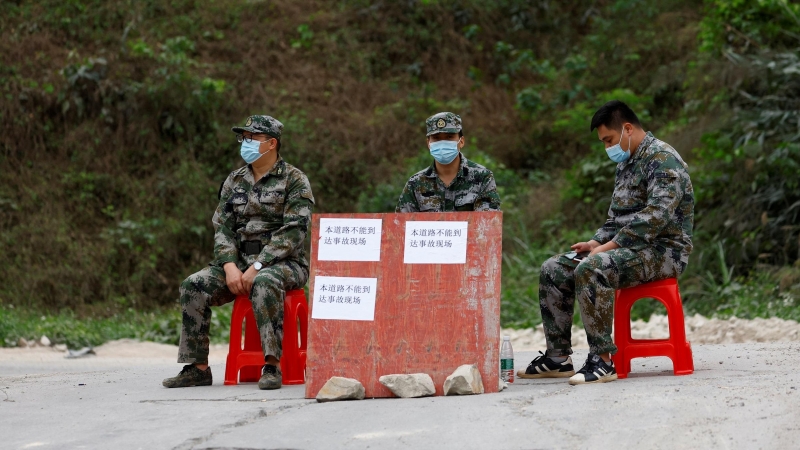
column 629, row 141
column 269, row 150
column 621, row 134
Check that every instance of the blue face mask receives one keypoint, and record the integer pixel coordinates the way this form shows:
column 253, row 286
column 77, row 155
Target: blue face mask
column 444, row 151
column 250, row 151
column 615, row 152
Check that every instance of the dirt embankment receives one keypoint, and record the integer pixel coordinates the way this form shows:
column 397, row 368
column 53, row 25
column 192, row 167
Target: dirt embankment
column 699, row 330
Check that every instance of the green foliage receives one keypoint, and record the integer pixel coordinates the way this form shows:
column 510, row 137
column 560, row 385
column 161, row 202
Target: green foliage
column 713, row 289
column 744, row 25
column 66, row 328
column 748, row 183
column 116, row 116
column 306, row 38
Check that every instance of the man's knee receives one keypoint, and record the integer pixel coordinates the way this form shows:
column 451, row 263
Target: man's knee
column 268, row 284
column 551, row 270
column 556, row 272
column 189, row 289
column 590, row 266
column 551, row 264
column 200, row 285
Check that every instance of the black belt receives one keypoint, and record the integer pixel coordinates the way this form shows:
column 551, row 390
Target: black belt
column 251, row 247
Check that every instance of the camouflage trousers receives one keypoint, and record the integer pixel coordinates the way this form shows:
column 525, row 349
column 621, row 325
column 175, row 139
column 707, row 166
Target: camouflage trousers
column 207, row 288
column 593, row 283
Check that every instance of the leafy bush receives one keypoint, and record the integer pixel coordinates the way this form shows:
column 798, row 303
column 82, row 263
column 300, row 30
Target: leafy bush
column 116, row 115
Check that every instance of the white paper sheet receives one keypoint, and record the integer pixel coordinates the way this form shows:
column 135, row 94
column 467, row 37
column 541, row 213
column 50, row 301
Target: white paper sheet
column 349, row 240
column 344, row 298
column 435, row 243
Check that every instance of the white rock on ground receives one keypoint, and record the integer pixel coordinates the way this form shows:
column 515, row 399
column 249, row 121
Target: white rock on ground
column 699, row 330
column 340, row 388
column 44, row 341
column 502, row 385
column 409, row 385
column 465, row 380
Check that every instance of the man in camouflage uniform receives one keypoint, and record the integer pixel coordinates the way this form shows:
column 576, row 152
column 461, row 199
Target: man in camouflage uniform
column 452, row 182
column 259, row 227
column 647, row 237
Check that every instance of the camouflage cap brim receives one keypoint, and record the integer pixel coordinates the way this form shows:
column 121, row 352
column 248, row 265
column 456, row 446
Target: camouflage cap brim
column 240, row 130
column 443, row 130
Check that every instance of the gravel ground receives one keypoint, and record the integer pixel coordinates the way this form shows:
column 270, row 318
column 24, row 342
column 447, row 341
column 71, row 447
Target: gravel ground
column 699, row 330
column 742, row 396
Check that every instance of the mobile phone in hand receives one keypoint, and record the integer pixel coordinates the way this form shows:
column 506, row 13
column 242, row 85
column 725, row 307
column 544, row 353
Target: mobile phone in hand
column 575, row 256
column 581, row 256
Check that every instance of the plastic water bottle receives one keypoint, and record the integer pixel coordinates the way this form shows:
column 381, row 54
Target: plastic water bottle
column 507, row 360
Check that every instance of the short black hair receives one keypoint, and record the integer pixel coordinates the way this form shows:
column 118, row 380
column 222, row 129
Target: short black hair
column 613, row 115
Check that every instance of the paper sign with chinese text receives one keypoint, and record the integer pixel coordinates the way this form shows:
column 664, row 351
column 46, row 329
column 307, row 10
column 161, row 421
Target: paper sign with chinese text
column 435, row 243
column 350, row 239
column 344, row 298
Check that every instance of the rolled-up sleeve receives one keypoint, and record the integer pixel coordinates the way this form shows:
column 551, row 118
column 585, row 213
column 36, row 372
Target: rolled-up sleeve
column 664, row 194
column 224, row 221
column 488, row 198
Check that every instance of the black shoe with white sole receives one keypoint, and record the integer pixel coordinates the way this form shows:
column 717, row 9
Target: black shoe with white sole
column 595, row 370
column 544, row 367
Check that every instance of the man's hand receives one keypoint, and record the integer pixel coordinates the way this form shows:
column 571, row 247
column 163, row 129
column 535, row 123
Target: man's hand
column 233, row 278
column 247, row 279
column 610, row 245
column 581, row 247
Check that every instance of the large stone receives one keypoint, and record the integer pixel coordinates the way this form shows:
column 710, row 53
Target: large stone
column 465, row 380
column 340, row 388
column 409, row 386
column 44, row 341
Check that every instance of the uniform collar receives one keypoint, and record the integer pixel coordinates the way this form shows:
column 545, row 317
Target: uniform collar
column 278, row 170
column 637, row 155
column 462, row 168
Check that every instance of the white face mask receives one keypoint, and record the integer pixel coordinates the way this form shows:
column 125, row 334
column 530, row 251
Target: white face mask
column 444, row 151
column 250, row 151
column 615, row 152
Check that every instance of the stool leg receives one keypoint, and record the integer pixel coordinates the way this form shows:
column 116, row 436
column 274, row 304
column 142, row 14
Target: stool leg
column 290, row 361
column 302, row 313
column 622, row 334
column 235, row 343
column 682, row 362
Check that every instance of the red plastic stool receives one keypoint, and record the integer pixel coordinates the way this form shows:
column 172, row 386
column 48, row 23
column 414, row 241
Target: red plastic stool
column 245, row 363
column 675, row 348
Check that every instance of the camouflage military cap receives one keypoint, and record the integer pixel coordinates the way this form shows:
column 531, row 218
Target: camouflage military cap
column 444, row 122
column 261, row 124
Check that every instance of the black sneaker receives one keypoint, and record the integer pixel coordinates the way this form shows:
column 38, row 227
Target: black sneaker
column 271, row 377
column 544, row 367
column 189, row 376
column 595, row 371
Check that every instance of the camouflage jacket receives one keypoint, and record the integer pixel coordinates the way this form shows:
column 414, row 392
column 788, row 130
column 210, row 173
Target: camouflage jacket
column 653, row 202
column 276, row 210
column 473, row 189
